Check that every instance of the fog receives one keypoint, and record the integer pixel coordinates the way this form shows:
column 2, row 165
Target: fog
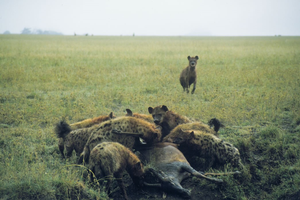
column 155, row 17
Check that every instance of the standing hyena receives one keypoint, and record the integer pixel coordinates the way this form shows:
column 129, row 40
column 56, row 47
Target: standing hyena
column 189, row 75
column 166, row 118
column 110, row 159
column 72, row 137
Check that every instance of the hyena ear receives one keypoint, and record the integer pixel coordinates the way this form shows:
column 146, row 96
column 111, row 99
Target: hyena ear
column 111, row 115
column 158, row 136
column 129, row 112
column 138, row 166
column 150, row 110
column 188, row 57
column 192, row 135
column 197, row 57
column 165, row 108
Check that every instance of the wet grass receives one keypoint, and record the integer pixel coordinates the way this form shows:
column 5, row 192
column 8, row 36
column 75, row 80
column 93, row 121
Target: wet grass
column 250, row 83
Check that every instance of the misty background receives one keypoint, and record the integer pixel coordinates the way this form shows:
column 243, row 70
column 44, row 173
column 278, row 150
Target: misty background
column 151, row 18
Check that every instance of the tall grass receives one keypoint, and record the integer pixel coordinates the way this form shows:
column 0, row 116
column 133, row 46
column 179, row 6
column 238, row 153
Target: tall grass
column 250, row 83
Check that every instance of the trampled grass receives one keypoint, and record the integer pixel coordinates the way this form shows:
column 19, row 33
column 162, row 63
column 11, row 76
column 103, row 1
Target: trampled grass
column 250, row 83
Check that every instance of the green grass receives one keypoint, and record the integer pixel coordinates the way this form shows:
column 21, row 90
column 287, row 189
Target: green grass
column 251, row 84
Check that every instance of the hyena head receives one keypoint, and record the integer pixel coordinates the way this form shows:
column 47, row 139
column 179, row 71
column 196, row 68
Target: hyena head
column 158, row 113
column 152, row 136
column 136, row 172
column 193, row 62
column 179, row 137
column 233, row 155
column 137, row 169
column 236, row 160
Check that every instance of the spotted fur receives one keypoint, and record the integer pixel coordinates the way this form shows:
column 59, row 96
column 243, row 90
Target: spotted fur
column 92, row 121
column 73, row 138
column 192, row 126
column 130, row 129
column 111, row 159
column 148, row 118
column 206, row 145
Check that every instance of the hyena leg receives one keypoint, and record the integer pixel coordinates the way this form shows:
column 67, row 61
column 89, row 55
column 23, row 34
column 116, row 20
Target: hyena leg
column 194, row 87
column 121, row 185
column 210, row 162
column 187, row 86
column 61, row 147
column 69, row 151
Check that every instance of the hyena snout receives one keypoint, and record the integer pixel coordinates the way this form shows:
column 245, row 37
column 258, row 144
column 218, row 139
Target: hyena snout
column 156, row 122
column 157, row 119
column 193, row 64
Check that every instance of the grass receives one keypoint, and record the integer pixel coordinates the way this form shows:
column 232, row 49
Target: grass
column 250, row 83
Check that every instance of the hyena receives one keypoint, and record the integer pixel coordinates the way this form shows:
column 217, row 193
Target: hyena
column 206, row 145
column 125, row 130
column 166, row 118
column 148, row 118
column 111, row 159
column 199, row 126
column 92, row 121
column 73, row 139
column 188, row 75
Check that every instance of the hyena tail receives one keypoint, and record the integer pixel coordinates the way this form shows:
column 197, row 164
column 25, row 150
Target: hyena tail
column 62, row 129
column 216, row 124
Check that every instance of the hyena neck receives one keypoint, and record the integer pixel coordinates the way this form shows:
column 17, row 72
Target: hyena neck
column 165, row 129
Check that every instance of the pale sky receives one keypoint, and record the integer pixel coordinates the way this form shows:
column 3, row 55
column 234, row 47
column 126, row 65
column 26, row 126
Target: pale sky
column 153, row 17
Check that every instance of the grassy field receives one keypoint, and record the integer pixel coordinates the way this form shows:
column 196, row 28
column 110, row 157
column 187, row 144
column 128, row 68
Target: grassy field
column 252, row 84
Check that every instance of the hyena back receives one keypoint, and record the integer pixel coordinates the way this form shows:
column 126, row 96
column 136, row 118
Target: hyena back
column 199, row 126
column 207, row 145
column 92, row 121
column 148, row 118
column 72, row 137
column 125, row 130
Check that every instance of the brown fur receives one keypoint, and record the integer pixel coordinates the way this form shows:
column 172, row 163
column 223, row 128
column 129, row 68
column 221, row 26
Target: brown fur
column 188, row 75
column 110, row 159
column 199, row 143
column 148, row 118
column 192, row 126
column 134, row 126
column 166, row 118
column 76, row 139
column 92, row 121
